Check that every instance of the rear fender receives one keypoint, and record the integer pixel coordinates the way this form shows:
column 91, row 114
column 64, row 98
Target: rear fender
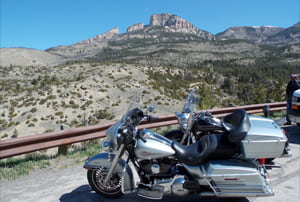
column 105, row 160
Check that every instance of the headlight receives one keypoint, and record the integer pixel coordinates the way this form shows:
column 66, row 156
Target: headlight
column 106, row 146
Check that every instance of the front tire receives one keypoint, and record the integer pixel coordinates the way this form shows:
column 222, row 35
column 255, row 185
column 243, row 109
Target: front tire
column 112, row 189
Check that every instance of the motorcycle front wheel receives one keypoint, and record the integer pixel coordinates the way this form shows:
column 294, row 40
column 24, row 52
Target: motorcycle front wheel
column 111, row 189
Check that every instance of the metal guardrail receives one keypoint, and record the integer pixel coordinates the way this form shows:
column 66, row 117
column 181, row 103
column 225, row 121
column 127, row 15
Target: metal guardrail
column 27, row 144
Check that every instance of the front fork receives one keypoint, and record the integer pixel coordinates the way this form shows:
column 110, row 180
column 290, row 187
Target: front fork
column 114, row 163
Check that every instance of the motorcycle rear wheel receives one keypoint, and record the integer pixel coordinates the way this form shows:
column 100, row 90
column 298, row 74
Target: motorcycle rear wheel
column 112, row 189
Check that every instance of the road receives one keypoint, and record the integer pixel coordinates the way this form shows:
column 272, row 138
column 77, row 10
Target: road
column 70, row 184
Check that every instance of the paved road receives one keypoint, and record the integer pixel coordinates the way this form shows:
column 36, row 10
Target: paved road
column 70, row 184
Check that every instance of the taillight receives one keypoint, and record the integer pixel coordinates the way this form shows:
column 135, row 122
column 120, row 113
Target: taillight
column 284, row 132
column 262, row 161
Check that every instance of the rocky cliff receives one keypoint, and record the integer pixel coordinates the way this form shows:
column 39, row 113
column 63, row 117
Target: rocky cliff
column 177, row 24
column 102, row 37
column 135, row 27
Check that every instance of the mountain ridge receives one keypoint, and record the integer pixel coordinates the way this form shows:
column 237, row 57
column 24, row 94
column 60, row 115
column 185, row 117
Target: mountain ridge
column 168, row 30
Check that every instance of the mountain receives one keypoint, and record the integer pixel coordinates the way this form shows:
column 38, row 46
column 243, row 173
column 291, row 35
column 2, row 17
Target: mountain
column 168, row 40
column 160, row 24
column 251, row 33
column 266, row 35
column 290, row 35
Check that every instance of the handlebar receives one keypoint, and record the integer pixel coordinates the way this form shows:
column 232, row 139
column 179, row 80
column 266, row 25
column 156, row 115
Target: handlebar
column 140, row 136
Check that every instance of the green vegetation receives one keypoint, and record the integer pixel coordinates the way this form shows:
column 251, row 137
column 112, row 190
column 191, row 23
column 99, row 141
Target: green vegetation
column 104, row 114
column 12, row 168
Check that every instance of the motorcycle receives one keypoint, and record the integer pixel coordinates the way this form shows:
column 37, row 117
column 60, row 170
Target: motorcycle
column 192, row 124
column 216, row 165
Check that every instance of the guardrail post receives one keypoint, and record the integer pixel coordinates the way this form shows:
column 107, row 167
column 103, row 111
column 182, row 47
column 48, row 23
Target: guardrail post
column 266, row 110
column 62, row 149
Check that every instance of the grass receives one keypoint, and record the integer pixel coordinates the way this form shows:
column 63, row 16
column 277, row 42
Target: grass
column 277, row 114
column 13, row 168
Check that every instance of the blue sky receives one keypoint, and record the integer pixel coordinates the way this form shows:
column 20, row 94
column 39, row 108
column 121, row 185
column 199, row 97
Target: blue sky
column 42, row 24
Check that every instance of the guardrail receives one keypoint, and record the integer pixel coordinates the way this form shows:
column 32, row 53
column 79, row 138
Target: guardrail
column 27, row 144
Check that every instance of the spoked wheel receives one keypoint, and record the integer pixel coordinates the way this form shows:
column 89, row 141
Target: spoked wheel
column 111, row 189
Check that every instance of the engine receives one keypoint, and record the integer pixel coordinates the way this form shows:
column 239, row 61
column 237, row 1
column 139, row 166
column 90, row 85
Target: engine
column 164, row 173
column 157, row 166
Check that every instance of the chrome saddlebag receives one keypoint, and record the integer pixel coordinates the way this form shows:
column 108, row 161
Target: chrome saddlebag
column 235, row 178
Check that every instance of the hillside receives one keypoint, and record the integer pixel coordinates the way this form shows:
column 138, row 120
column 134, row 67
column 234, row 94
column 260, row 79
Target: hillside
column 37, row 99
column 28, row 57
column 40, row 99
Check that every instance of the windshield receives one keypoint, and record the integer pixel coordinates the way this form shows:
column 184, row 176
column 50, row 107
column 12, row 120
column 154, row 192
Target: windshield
column 135, row 104
column 130, row 119
column 192, row 102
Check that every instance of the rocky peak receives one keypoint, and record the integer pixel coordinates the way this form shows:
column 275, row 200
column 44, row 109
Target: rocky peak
column 172, row 22
column 105, row 36
column 177, row 24
column 135, row 27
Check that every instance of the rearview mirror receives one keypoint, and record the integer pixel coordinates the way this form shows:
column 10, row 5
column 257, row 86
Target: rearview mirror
column 151, row 108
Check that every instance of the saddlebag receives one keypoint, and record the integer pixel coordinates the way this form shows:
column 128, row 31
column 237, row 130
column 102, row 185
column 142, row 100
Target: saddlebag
column 265, row 139
column 236, row 178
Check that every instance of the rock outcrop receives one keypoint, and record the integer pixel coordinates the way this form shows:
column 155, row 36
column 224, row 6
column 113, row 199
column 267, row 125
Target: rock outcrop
column 135, row 27
column 105, row 36
column 177, row 24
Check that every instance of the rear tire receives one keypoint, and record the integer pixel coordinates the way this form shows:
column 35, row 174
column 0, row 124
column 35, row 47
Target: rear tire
column 96, row 180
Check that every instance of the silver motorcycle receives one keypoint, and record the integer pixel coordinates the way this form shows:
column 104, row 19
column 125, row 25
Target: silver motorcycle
column 142, row 161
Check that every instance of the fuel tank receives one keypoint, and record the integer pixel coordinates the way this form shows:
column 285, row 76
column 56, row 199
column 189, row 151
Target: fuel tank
column 156, row 146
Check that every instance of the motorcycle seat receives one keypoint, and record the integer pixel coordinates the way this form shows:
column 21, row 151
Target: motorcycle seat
column 237, row 124
column 213, row 146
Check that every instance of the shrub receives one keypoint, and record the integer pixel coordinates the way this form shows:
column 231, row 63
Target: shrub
column 60, row 113
column 33, row 110
column 104, row 114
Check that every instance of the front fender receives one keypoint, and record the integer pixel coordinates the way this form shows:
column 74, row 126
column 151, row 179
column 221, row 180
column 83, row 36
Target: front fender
column 102, row 160
column 105, row 160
